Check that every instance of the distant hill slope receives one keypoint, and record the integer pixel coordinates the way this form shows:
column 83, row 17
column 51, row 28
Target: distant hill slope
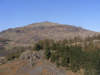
column 44, row 30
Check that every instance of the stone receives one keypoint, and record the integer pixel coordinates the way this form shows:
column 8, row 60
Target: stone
column 3, row 60
column 31, row 56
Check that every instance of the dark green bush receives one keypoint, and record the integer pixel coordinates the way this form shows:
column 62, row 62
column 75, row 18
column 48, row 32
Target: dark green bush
column 75, row 57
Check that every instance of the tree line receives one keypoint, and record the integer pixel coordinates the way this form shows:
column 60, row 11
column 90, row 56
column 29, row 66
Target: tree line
column 73, row 54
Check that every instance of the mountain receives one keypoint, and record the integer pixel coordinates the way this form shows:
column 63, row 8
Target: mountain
column 18, row 59
column 44, row 30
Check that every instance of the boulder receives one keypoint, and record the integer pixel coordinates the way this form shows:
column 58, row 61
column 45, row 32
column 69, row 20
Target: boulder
column 31, row 56
column 3, row 60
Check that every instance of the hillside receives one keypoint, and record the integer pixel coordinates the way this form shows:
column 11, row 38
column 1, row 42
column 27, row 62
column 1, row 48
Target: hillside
column 44, row 30
column 49, row 49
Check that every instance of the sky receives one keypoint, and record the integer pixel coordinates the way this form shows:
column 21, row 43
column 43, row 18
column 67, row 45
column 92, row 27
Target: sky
column 82, row 13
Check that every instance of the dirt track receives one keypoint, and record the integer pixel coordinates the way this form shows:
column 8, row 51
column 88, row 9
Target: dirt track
column 42, row 68
column 22, row 68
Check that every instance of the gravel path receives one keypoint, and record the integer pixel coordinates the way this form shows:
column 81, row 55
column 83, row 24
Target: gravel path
column 45, row 68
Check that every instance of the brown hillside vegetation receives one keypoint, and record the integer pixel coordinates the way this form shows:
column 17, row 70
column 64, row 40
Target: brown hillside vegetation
column 44, row 30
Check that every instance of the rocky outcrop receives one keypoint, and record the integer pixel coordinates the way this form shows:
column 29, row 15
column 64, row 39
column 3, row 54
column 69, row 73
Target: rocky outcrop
column 3, row 60
column 31, row 56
